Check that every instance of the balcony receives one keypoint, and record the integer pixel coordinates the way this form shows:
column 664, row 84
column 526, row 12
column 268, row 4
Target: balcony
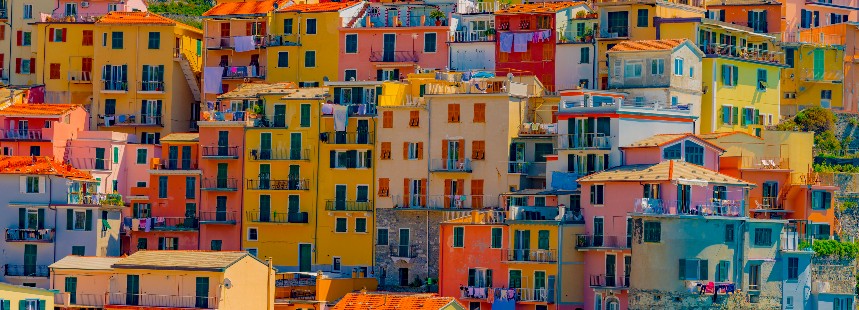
column 614, row 32
column 544, row 213
column 221, row 152
column 477, row 7
column 38, row 271
column 275, row 217
column 798, row 36
column 80, row 77
column 112, row 86
column 462, row 202
column 219, row 114
column 72, row 17
column 280, row 154
column 601, row 242
column 569, row 34
column 478, row 292
column 606, row 104
column 244, row 72
column 142, row 301
column 812, row 76
column 530, row 169
column 150, row 87
column 176, row 165
column 650, row 206
column 741, row 53
column 475, row 217
column 532, row 255
column 230, row 43
column 609, row 281
column 585, row 141
column 414, row 20
column 393, row 56
column 538, row 130
column 404, row 250
column 533, row 295
column 173, row 223
column 765, row 163
column 220, row 185
column 450, row 165
column 353, row 109
column 343, row 137
column 78, row 300
column 279, row 185
column 97, row 199
column 466, row 36
column 218, row 217
column 349, row 205
column 23, row 134
column 30, row 235
column 768, row 204
column 135, row 120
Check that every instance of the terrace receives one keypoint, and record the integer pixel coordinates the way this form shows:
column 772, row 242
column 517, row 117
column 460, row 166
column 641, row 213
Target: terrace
column 348, row 205
column 230, row 42
column 38, row 271
column 78, row 300
column 609, row 281
column 614, row 104
column 173, row 223
column 584, row 141
column 30, row 235
column 163, row 301
column 602, row 242
column 475, row 217
column 714, row 207
column 532, row 255
column 275, row 217
column 544, row 213
column 345, row 137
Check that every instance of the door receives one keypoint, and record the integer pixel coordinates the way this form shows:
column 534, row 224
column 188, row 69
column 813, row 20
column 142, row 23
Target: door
column 390, row 43
column 818, row 64
column 403, row 275
column 304, row 257
column 521, row 244
column 72, row 289
column 610, row 267
column 598, row 232
column 225, row 34
column 172, row 157
column 404, row 243
column 340, row 197
column 264, row 176
column 415, row 193
column 221, row 209
column 99, row 158
column 132, row 288
column 627, row 269
column 684, row 199
column 223, row 141
column 452, row 154
column 190, row 214
column 363, row 132
column 540, row 285
column 30, row 259
column 202, row 300
column 222, row 175
column 294, row 177
column 265, row 145
column 264, row 208
column 295, row 146
column 186, row 157
column 515, row 279
column 279, row 116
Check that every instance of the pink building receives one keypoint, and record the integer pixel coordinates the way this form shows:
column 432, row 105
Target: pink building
column 40, row 129
column 87, row 10
column 671, row 175
column 394, row 41
column 801, row 15
column 221, row 156
column 113, row 158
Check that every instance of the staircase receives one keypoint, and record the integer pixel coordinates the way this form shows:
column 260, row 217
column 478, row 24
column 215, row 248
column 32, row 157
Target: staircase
column 190, row 76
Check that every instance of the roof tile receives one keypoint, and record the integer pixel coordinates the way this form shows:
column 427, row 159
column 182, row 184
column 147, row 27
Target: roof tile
column 40, row 109
column 39, row 165
column 665, row 171
column 647, row 45
column 183, row 260
column 85, row 262
column 319, row 7
column 135, row 18
column 392, row 301
column 542, row 7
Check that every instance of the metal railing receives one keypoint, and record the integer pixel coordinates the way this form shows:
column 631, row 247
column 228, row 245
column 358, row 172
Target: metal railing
column 40, row 271
column 73, row 17
column 281, row 280
column 90, row 163
column 280, row 154
column 218, row 217
column 22, row 134
column 768, row 203
column 543, row 213
column 476, row 292
column 229, row 42
column 409, row 201
column 80, row 300
column 242, row 72
column 215, row 184
column 470, row 36
column 532, row 255
column 134, row 120
column 277, row 217
column 344, row 137
column 29, row 235
column 747, row 53
column 95, row 199
column 111, row 85
column 764, row 163
column 169, row 301
column 393, row 56
column 586, row 241
column 348, row 205
column 178, row 164
column 355, row 109
column 450, row 165
column 404, row 250
column 614, row 32
column 732, row 208
column 822, row 76
column 609, row 281
column 587, row 141
column 283, row 185
column 477, row 7
column 84, row 77
column 486, row 217
column 532, row 294
column 151, row 86
column 173, row 223
column 464, row 202
column 223, row 151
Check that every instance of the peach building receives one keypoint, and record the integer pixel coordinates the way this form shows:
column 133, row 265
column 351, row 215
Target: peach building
column 40, row 129
column 82, row 281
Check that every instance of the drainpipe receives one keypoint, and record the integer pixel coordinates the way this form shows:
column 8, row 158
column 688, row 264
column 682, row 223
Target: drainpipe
column 713, row 99
column 268, row 296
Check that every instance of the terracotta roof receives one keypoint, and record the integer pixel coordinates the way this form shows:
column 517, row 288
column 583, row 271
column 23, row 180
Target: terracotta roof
column 244, row 7
column 665, row 171
column 664, row 139
column 37, row 109
column 85, row 262
column 318, row 7
column 741, row 2
column 542, row 7
column 252, row 90
column 646, row 45
column 182, row 137
column 393, row 301
column 40, row 165
column 181, row 260
column 135, row 18
column 716, row 135
column 306, row 93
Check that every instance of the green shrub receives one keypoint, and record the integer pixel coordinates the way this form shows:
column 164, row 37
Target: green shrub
column 835, row 248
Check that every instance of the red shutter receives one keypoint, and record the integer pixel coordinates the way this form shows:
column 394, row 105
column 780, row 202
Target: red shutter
column 420, row 150
column 262, row 29
column 405, row 150
column 405, row 193
column 64, row 34
column 248, row 28
column 423, row 192
column 2, row 32
column 461, row 149
column 17, row 65
column 32, row 65
column 19, row 35
column 50, row 34
column 444, row 149
column 460, row 189
column 447, row 194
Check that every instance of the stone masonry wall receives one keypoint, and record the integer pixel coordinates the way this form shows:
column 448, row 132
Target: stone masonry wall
column 424, row 236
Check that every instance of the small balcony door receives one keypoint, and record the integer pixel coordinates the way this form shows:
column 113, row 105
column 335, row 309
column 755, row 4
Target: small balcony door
column 390, row 43
column 610, row 270
column 223, row 143
column 265, row 145
column 403, row 249
column 521, row 244
column 295, row 146
column 340, row 197
column 304, row 257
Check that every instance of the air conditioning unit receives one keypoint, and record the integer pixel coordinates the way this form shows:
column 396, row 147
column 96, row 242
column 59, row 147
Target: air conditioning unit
column 84, row 4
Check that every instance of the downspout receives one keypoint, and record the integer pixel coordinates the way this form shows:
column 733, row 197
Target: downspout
column 268, row 283
column 316, row 214
column 713, row 98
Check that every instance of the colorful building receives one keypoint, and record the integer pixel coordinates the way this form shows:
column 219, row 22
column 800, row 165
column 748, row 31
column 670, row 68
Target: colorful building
column 814, row 76
column 40, row 129
column 843, row 34
column 82, row 281
column 758, row 15
column 322, row 290
column 25, row 297
column 472, row 36
column 799, row 16
column 366, row 301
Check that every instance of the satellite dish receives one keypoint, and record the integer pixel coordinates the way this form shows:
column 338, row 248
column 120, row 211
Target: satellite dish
column 227, row 283
column 325, row 78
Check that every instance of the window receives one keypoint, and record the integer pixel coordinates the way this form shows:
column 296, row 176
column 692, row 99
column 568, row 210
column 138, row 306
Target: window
column 496, row 237
column 215, row 245
column 168, row 243
column 360, row 225
column 190, row 187
column 352, row 43
column 78, row 250
column 154, row 40
column 310, row 26
column 826, row 94
column 584, row 55
column 723, row 270
column 597, row 194
column 287, row 26
column 32, row 185
column 304, row 120
column 729, row 75
column 793, row 268
column 340, row 225
column 763, row 237
column 642, row 17
column 843, row 303
column 253, row 234
column 543, row 239
column 116, row 40
column 252, row 251
column 28, row 11
column 652, row 232
column 453, row 113
column 430, row 42
column 651, row 190
column 350, row 75
column 162, row 187
column 414, row 118
column 479, row 113
column 632, row 69
column 479, row 277
column 694, row 153
column 754, row 277
column 54, row 72
column 478, row 150
column 458, row 237
column 79, row 219
column 142, row 244
column 104, row 39
column 729, row 233
column 691, row 72
column 141, row 156
column 678, row 66
column 57, row 34
column 310, row 59
column 283, row 59
column 657, row 66
column 112, row 7
column 693, row 269
column 382, row 236
column 411, row 151
column 821, row 200
column 388, row 119
column 762, row 79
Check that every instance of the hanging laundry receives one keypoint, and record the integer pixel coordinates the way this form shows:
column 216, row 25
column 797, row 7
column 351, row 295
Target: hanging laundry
column 135, row 224
column 520, row 42
column 506, row 42
column 341, row 118
column 212, row 77
column 244, row 43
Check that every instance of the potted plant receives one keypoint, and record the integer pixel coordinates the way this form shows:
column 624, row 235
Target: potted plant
column 588, row 34
column 580, row 14
column 579, row 39
column 438, row 15
column 591, row 15
column 563, row 38
column 490, row 34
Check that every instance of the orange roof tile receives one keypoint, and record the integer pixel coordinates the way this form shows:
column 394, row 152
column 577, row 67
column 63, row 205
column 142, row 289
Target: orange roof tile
column 393, row 301
column 244, row 7
column 646, row 45
column 542, row 7
column 135, row 18
column 37, row 109
column 40, row 165
column 319, row 7
column 668, row 138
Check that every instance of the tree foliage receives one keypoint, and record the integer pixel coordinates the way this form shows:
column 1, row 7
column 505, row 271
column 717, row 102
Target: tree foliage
column 835, row 248
column 182, row 7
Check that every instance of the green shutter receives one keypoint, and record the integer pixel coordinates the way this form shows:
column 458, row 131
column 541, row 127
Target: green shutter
column 703, row 270
column 161, row 243
column 736, row 116
column 818, row 64
column 22, row 218
column 88, row 220
column 41, row 220
column 489, row 277
column 682, row 269
column 42, row 304
column 471, row 277
column 735, row 74
column 70, row 219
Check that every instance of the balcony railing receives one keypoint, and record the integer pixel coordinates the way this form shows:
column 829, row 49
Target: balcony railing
column 532, row 255
column 243, row 72
column 177, row 164
column 353, row 109
column 404, row 251
column 215, row 184
column 221, row 114
column 614, row 32
column 348, row 205
column 609, row 281
column 393, row 56
column 90, row 163
column 344, row 137
column 116, row 86
column 450, row 165
column 531, row 169
column 533, row 294
column 765, row 163
column 814, row 37
column 484, row 217
column 731, row 208
column 165, row 301
column 477, row 7
column 172, row 223
column 79, row 300
column 822, row 76
column 603, row 105
column 290, row 280
column 229, row 42
column 696, row 3
column 135, row 119
column 217, row 217
column 280, row 154
column 22, row 134
column 277, row 217
column 73, row 17
column 462, row 202
column 151, row 86
column 220, row 151
column 29, row 235
column 768, row 204
column 96, row 199
column 544, row 213
column 586, row 241
column 82, row 77
column 470, row 36
column 587, row 141
column 740, row 52
column 39, row 271
column 476, row 292
column 282, row 185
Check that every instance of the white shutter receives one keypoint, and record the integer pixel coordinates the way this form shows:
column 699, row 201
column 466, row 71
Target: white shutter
column 42, row 181
column 23, row 183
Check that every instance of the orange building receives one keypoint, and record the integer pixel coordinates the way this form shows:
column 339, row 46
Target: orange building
column 760, row 15
column 221, row 192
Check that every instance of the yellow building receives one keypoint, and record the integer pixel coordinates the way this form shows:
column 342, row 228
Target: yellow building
column 68, row 77
column 814, row 77
column 22, row 297
column 304, row 54
column 741, row 71
column 146, row 76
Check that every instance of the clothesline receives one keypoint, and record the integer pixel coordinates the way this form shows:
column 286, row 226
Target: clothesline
column 518, row 41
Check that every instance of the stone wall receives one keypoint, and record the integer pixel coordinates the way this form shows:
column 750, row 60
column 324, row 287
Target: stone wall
column 659, row 299
column 424, row 237
column 839, row 273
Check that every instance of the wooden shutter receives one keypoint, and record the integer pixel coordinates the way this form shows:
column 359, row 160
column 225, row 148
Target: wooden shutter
column 682, row 269
column 384, row 184
column 18, row 37
column 447, row 187
column 386, row 150
column 475, row 150
column 32, row 65
column 423, row 192
column 477, row 194
column 460, row 190
column 414, row 118
column 444, row 149
column 388, row 119
column 88, row 226
column 420, row 150
column 461, row 148
column 479, row 112
column 2, row 32
column 64, row 34
column 70, row 219
column 248, row 28
column 50, row 34
column 406, row 192
column 17, row 65
column 405, row 150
